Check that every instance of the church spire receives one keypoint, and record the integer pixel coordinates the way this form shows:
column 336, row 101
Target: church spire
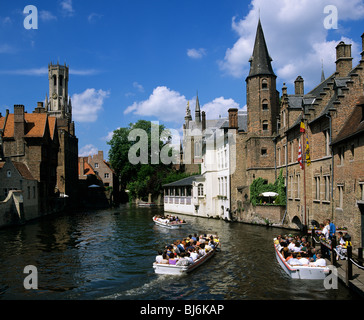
column 260, row 62
column 197, row 110
column 322, row 71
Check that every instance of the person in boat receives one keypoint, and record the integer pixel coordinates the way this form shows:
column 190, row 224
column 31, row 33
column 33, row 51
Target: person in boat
column 193, row 254
column 294, row 261
column 183, row 261
column 296, row 248
column 165, row 259
column 172, row 259
column 159, row 257
column 320, row 262
column 202, row 251
column 181, row 246
column 304, row 261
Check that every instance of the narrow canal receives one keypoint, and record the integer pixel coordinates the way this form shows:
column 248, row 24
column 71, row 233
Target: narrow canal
column 108, row 254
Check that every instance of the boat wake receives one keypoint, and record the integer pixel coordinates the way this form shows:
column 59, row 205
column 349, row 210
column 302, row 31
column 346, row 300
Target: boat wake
column 139, row 291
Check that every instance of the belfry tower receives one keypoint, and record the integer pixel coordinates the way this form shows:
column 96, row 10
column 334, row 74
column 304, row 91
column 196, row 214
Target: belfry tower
column 59, row 103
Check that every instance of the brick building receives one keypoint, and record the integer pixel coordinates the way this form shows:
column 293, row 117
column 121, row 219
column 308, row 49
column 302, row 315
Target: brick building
column 331, row 185
column 45, row 141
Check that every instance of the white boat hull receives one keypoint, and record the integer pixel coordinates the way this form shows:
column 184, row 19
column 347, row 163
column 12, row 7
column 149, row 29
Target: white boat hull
column 160, row 268
column 169, row 225
column 302, row 272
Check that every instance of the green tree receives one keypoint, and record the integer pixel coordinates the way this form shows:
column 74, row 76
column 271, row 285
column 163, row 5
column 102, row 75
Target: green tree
column 140, row 178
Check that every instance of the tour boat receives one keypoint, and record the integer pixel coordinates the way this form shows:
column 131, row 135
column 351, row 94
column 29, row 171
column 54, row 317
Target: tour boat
column 161, row 268
column 146, row 204
column 301, row 272
column 168, row 224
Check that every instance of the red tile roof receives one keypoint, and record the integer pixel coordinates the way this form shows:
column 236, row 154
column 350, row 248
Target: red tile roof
column 34, row 127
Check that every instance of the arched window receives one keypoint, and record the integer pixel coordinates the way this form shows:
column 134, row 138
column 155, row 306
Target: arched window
column 264, row 84
column 54, row 80
column 265, row 125
column 200, row 190
column 265, row 104
column 60, row 81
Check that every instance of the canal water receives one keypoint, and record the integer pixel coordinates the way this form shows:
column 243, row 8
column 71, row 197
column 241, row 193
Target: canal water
column 108, row 255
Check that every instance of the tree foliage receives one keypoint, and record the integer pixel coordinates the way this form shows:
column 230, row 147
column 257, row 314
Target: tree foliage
column 139, row 179
column 260, row 185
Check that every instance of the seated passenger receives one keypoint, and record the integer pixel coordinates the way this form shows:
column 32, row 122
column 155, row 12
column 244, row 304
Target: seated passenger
column 172, row 259
column 165, row 259
column 297, row 247
column 182, row 261
column 189, row 258
column 294, row 261
column 292, row 245
column 304, row 261
column 202, row 251
column 193, row 254
column 320, row 262
column 159, row 257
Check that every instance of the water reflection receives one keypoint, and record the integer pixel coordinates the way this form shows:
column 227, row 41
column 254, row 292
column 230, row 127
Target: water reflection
column 108, row 254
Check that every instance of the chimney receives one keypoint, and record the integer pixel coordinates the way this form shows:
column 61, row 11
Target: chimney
column 344, row 61
column 82, row 168
column 203, row 121
column 39, row 108
column 233, row 118
column 18, row 122
column 298, row 86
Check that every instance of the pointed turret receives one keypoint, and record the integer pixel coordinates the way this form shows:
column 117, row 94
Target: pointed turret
column 188, row 116
column 322, row 72
column 46, row 102
column 197, row 110
column 260, row 61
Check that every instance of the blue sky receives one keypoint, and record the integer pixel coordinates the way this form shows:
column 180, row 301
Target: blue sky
column 144, row 59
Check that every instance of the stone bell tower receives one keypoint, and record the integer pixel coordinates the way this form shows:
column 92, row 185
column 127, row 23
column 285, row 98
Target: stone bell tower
column 58, row 104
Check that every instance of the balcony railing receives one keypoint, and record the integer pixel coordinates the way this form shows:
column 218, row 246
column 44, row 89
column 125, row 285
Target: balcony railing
column 178, row 200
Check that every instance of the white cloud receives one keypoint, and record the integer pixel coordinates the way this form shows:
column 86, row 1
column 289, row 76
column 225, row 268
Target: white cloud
column 164, row 104
column 87, row 150
column 93, row 17
column 43, row 70
column 138, row 86
column 296, row 38
column 168, row 105
column 67, row 7
column 88, row 104
column 6, row 48
column 196, row 53
column 46, row 16
column 218, row 107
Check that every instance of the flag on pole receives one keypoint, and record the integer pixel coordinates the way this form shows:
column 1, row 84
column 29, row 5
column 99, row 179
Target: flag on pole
column 300, row 154
column 302, row 127
column 308, row 157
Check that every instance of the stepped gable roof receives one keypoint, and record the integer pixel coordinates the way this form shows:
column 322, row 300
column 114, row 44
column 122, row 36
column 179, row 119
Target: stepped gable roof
column 260, row 61
column 354, row 125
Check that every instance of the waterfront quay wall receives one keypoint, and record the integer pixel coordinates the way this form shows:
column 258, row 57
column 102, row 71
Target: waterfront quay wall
column 12, row 209
column 18, row 209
